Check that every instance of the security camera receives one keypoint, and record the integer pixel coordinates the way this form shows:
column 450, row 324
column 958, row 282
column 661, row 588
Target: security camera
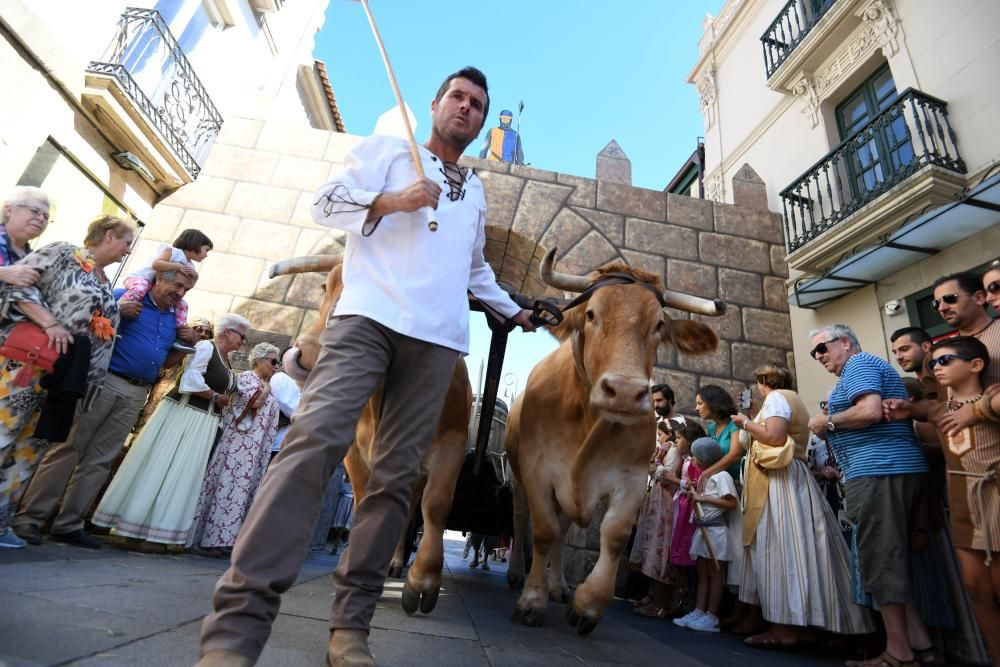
column 893, row 308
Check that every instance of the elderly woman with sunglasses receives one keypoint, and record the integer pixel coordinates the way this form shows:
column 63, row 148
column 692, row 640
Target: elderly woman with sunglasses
column 23, row 218
column 249, row 424
column 154, row 495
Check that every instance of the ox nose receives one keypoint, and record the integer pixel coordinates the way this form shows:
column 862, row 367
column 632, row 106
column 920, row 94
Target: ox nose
column 622, row 393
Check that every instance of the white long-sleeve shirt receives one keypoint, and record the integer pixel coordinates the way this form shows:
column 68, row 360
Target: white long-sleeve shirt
column 404, row 276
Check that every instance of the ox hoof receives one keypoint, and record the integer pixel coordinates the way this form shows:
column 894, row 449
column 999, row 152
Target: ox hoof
column 531, row 617
column 410, row 599
column 395, row 571
column 560, row 595
column 584, row 626
column 515, row 581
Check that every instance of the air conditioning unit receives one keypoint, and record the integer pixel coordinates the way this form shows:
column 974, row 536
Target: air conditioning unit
column 266, row 6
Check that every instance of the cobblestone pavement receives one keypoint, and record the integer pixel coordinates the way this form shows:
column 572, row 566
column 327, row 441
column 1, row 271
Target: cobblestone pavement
column 62, row 605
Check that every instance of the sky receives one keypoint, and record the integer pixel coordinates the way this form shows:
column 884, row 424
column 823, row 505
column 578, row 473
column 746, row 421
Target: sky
column 587, row 72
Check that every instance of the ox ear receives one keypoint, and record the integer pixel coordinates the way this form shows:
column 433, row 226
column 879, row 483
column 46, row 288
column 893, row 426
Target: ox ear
column 690, row 336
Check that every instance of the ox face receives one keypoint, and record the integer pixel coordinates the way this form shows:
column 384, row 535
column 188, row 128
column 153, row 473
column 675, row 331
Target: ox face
column 621, row 329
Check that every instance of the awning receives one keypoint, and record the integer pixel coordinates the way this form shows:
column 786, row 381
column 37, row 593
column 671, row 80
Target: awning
column 929, row 234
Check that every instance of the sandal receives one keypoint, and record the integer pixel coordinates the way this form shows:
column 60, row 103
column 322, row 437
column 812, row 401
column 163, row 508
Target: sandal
column 642, row 602
column 769, row 640
column 649, row 611
column 884, row 660
column 928, row 656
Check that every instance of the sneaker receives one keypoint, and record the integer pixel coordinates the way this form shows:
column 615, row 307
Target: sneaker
column 10, row 540
column 30, row 533
column 77, row 538
column 181, row 346
column 705, row 623
column 686, row 620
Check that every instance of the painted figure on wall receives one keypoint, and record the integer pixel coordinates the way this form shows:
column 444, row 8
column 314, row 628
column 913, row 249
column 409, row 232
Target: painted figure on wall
column 503, row 143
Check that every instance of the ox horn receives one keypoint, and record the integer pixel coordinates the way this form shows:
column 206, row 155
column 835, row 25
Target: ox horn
column 563, row 281
column 305, row 264
column 694, row 304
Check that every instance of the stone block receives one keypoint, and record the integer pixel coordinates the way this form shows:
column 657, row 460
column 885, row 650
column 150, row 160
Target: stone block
column 747, row 357
column 683, row 383
column 654, row 264
column 262, row 202
column 590, row 253
column 714, row 363
column 767, row 327
column 734, row 251
column 566, row 229
column 609, row 224
column 272, row 289
column 204, row 303
column 513, row 272
column 690, row 212
column 302, row 214
column 163, row 223
column 493, row 251
column 271, row 317
column 729, row 325
column 294, row 140
column 732, row 387
column 268, row 240
column 666, row 355
column 779, row 266
column 584, row 190
column 309, row 321
column 484, row 165
column 754, row 224
column 208, row 193
column 749, row 190
column 240, row 164
column 500, row 234
column 319, row 242
column 638, row 202
column 233, row 274
column 661, row 238
column 340, row 145
column 775, row 294
column 520, row 248
column 692, row 278
column 576, row 536
column 217, row 226
column 299, row 173
column 740, row 287
column 532, row 173
column 538, row 207
column 239, row 132
column 306, row 290
column 613, row 165
column 502, row 195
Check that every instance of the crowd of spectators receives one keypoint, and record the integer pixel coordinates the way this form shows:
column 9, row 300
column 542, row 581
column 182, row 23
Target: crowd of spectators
column 880, row 513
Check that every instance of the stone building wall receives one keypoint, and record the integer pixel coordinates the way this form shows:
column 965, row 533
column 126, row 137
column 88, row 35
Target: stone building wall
column 253, row 201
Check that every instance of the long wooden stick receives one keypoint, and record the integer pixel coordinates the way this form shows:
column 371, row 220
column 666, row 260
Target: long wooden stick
column 704, row 534
column 414, row 151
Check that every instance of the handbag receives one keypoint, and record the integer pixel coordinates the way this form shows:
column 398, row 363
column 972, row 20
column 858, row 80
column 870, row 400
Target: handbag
column 27, row 343
column 774, row 458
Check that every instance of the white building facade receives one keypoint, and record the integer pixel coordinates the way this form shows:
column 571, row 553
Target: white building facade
column 872, row 123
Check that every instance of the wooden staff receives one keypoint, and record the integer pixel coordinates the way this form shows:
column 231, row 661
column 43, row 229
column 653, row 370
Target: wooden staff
column 414, row 151
column 704, row 534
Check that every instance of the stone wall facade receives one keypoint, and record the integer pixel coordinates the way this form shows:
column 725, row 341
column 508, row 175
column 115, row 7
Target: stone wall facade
column 253, row 200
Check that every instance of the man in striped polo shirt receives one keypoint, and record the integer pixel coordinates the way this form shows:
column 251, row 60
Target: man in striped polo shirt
column 884, row 472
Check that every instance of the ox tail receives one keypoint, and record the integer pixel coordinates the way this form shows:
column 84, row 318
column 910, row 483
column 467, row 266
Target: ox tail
column 581, row 463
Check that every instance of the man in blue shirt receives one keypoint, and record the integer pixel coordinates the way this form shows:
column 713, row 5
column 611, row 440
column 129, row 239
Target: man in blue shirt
column 75, row 471
column 884, row 471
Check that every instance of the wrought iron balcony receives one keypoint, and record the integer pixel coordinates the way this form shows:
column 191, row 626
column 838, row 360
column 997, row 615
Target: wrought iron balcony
column 911, row 133
column 787, row 31
column 150, row 66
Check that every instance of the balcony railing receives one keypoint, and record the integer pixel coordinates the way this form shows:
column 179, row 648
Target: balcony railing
column 911, row 133
column 787, row 31
column 145, row 58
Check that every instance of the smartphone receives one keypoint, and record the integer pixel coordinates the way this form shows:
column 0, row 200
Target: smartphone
column 745, row 399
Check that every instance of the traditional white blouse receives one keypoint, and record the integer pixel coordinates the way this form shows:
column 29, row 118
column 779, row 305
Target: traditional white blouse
column 398, row 272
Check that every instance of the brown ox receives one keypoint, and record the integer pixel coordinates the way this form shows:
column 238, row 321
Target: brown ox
column 439, row 469
column 583, row 428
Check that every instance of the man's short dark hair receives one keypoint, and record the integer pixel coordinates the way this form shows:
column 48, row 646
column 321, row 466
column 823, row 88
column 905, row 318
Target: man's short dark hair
column 663, row 390
column 967, row 346
column 967, row 281
column 916, row 334
column 471, row 74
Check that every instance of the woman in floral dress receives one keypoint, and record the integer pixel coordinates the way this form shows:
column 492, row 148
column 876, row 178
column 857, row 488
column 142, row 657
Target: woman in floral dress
column 240, row 459
column 72, row 297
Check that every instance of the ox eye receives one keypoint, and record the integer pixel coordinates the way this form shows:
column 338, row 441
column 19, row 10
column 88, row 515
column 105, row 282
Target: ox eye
column 659, row 327
column 590, row 315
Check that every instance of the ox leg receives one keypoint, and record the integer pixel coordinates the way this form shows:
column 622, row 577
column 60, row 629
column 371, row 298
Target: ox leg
column 558, row 589
column 398, row 562
column 594, row 595
column 423, row 581
column 522, row 524
column 534, row 599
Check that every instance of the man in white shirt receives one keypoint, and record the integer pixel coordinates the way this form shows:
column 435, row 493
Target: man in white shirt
column 401, row 323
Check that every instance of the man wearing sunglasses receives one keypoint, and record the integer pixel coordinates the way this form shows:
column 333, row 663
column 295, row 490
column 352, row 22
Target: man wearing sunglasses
column 884, row 472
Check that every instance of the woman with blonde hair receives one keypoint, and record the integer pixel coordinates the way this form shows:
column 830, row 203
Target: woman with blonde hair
column 795, row 563
column 69, row 311
column 249, row 424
